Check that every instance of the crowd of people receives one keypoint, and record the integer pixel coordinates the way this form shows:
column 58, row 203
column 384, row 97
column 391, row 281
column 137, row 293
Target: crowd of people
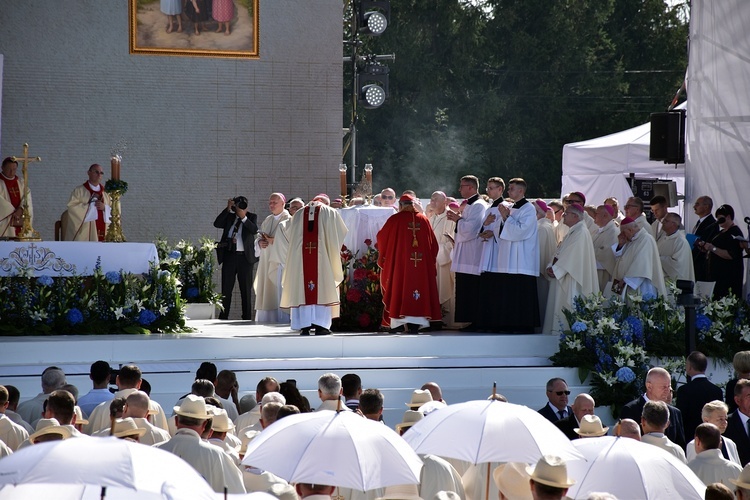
column 442, row 264
column 211, row 426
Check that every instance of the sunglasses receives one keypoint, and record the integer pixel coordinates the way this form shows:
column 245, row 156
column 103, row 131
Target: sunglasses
column 386, row 197
column 560, row 393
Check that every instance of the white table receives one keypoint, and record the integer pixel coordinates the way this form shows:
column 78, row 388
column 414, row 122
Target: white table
column 363, row 223
column 68, row 258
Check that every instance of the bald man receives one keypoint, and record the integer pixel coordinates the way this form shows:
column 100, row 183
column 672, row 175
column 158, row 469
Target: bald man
column 267, row 284
column 674, row 250
column 444, row 230
column 136, row 407
column 637, row 263
column 583, row 405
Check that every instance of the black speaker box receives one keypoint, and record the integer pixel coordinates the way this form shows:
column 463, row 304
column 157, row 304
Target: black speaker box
column 668, row 137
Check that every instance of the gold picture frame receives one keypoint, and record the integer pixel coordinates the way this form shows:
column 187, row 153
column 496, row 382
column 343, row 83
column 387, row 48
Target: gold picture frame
column 193, row 28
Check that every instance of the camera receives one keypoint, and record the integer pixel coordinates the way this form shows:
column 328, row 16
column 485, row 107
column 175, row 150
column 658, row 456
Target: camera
column 239, row 202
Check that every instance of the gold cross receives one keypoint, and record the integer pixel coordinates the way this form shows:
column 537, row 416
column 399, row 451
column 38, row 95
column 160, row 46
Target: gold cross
column 416, row 257
column 27, row 232
column 414, row 227
column 310, row 247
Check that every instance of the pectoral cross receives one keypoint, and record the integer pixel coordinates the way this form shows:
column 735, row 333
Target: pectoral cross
column 416, row 257
column 310, row 247
column 27, row 232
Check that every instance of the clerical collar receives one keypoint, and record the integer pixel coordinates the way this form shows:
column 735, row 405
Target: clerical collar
column 98, row 187
column 276, row 217
column 472, row 199
column 497, row 201
column 520, row 203
column 9, row 178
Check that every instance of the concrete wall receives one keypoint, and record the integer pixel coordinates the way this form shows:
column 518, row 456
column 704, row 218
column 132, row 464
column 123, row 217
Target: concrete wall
column 196, row 130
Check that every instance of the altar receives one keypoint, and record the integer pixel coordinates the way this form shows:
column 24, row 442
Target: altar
column 71, row 258
column 363, row 222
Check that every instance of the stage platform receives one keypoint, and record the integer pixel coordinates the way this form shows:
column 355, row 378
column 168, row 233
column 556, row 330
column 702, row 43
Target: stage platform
column 465, row 365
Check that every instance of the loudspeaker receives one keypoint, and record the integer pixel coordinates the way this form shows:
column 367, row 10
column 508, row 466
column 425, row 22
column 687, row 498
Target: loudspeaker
column 668, row 137
column 667, row 189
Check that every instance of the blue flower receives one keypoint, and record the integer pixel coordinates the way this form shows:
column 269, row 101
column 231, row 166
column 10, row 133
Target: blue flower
column 74, row 316
column 146, row 317
column 625, row 374
column 164, row 274
column 113, row 277
column 44, row 280
column 648, row 296
column 191, row 292
column 578, row 327
column 636, row 326
column 703, row 323
column 175, row 254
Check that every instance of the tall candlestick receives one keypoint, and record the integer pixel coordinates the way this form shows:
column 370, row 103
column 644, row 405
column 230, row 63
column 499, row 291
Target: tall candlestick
column 115, row 165
column 342, row 177
column 368, row 174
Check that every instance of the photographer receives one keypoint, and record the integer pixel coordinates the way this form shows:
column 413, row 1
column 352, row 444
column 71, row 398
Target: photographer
column 236, row 253
column 724, row 254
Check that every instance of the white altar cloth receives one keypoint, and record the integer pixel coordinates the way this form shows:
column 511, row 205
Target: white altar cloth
column 363, row 223
column 68, row 258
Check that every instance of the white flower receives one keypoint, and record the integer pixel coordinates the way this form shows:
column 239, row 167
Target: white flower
column 607, row 323
column 574, row 344
column 163, row 310
column 39, row 315
column 745, row 333
column 608, row 378
column 118, row 313
column 635, row 298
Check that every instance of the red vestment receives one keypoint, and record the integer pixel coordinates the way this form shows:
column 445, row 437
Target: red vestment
column 407, row 258
column 15, row 194
column 101, row 226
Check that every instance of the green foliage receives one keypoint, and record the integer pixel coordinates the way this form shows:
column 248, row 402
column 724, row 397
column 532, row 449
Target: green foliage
column 193, row 265
column 497, row 87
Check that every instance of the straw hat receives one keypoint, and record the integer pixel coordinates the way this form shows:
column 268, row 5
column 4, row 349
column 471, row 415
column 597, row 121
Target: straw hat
column 512, row 480
column 744, row 480
column 79, row 416
column 194, row 407
column 411, row 417
column 552, row 471
column 126, row 427
column 591, row 426
column 418, row 398
column 401, row 492
column 46, row 426
column 221, row 421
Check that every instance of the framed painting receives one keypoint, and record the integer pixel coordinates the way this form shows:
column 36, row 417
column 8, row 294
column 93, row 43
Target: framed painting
column 202, row 28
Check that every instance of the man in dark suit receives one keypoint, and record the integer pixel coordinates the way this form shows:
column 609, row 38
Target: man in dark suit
column 583, row 405
column 737, row 423
column 705, row 229
column 658, row 388
column 557, row 406
column 237, row 241
column 691, row 397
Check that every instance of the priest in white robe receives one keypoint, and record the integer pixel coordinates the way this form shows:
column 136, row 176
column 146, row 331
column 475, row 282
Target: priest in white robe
column 674, row 250
column 313, row 269
column 89, row 209
column 444, row 230
column 547, row 248
column 603, row 239
column 573, row 268
column 518, row 253
column 11, row 200
column 634, row 210
column 267, row 283
column 637, row 265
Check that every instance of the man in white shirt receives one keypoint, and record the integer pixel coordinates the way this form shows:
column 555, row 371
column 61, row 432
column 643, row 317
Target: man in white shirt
column 216, row 467
column 444, row 230
column 709, row 464
column 53, row 378
column 674, row 250
column 659, row 209
column 226, row 391
column 136, row 407
column 634, row 210
column 603, row 239
column 637, row 264
column 654, row 421
column 11, row 433
column 329, row 392
column 267, row 283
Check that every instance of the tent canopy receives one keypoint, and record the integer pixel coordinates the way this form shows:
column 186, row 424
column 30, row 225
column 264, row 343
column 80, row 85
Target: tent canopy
column 600, row 167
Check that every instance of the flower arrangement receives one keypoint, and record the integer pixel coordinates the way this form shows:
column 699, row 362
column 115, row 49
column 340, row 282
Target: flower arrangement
column 361, row 297
column 613, row 340
column 116, row 186
column 193, row 265
column 104, row 303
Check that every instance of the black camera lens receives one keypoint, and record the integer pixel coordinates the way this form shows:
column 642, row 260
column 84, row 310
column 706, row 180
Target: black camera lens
column 240, row 202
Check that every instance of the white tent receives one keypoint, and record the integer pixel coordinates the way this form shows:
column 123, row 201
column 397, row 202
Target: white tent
column 600, row 167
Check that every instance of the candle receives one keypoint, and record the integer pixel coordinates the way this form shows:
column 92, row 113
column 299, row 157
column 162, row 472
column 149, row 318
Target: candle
column 342, row 174
column 115, row 164
column 368, row 174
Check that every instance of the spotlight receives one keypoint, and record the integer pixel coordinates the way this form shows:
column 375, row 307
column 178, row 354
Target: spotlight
column 373, row 16
column 372, row 82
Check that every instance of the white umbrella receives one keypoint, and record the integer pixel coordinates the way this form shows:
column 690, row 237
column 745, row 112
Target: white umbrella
column 93, row 463
column 630, row 469
column 334, row 448
column 489, row 431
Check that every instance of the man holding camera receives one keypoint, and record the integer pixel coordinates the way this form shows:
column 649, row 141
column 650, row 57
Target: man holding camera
column 236, row 253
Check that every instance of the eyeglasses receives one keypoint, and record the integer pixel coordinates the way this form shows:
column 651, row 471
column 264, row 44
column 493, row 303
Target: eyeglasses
column 99, row 173
column 631, row 206
column 572, row 201
column 558, row 210
column 560, row 393
column 387, row 197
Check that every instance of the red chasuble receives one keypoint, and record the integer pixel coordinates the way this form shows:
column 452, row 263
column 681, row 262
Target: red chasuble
column 11, row 185
column 101, row 227
column 310, row 255
column 407, row 257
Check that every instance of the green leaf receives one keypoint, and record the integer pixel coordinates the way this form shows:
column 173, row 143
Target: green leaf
column 583, row 373
column 136, row 330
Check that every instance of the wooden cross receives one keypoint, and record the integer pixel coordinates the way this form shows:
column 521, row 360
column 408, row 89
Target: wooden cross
column 416, row 257
column 27, row 232
column 310, row 247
